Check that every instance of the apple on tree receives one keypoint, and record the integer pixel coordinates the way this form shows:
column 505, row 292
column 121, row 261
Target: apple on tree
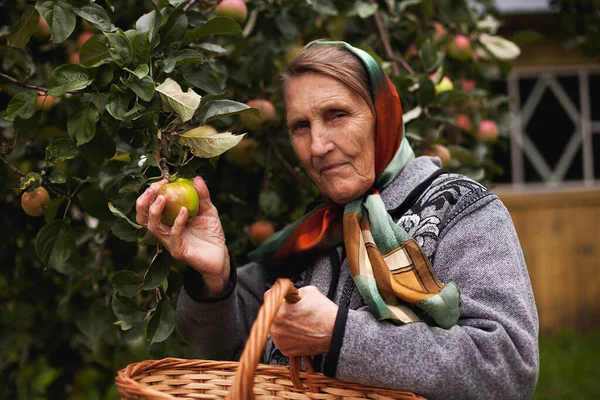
column 34, row 203
column 242, row 154
column 488, row 131
column 45, row 102
column 464, row 123
column 234, row 9
column 267, row 114
column 444, row 85
column 460, row 48
column 260, row 231
column 179, row 193
column 440, row 151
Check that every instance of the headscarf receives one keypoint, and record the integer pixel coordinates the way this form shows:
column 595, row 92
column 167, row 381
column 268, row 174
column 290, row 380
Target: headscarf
column 390, row 269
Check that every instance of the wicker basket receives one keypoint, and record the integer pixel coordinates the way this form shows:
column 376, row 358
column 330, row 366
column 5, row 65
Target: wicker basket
column 174, row 378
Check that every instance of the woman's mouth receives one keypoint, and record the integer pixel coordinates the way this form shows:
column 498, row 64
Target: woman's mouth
column 332, row 167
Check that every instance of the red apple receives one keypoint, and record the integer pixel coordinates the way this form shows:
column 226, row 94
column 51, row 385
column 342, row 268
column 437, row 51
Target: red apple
column 260, row 231
column 43, row 29
column 83, row 37
column 440, row 31
column 234, row 9
column 242, row 154
column 34, row 203
column 464, row 123
column 468, row 85
column 460, row 48
column 488, row 131
column 74, row 57
column 45, row 102
column 267, row 114
column 440, row 151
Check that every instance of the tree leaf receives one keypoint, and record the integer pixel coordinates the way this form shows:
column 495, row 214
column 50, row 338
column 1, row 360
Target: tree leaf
column 202, row 78
column 127, row 310
column 52, row 209
column 184, row 104
column 102, row 146
column 362, row 9
column 94, row 321
column 174, row 28
column 118, row 105
column 210, row 146
column 55, row 243
column 412, row 114
column 57, row 177
column 60, row 150
column 158, row 350
column 126, row 283
column 60, row 18
column 156, row 274
column 325, row 7
column 215, row 26
column 141, row 71
column 270, row 202
column 431, row 56
column 120, row 214
column 286, row 26
column 426, row 92
column 222, row 108
column 181, row 57
column 68, row 78
column 143, row 88
column 22, row 105
column 31, row 181
column 26, row 27
column 150, row 23
column 95, row 51
column 124, row 231
column 500, row 48
column 96, row 15
column 141, row 46
column 82, row 122
column 213, row 48
column 120, row 48
column 161, row 324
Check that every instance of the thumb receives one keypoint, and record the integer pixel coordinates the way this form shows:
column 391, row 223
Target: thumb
column 204, row 203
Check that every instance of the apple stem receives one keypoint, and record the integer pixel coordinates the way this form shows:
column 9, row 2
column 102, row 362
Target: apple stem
column 23, row 84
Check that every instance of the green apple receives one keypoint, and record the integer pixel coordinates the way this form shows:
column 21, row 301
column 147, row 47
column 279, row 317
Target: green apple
column 242, row 154
column 179, row 193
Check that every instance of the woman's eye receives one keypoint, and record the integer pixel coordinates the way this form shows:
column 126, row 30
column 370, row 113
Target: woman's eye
column 339, row 115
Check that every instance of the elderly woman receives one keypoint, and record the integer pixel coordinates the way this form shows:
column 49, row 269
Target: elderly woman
column 379, row 266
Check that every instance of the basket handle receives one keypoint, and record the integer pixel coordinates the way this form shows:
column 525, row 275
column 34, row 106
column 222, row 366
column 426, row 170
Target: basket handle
column 242, row 388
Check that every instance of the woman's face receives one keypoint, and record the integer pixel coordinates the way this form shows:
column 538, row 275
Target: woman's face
column 333, row 133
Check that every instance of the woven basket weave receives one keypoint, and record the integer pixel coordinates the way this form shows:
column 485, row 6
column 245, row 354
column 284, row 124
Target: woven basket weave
column 174, row 378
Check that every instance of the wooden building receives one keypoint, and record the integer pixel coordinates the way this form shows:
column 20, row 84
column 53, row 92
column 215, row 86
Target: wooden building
column 552, row 184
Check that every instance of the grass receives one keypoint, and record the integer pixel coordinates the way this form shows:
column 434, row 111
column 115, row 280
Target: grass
column 569, row 366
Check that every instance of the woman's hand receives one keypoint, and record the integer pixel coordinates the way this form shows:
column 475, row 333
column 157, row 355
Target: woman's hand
column 305, row 328
column 199, row 243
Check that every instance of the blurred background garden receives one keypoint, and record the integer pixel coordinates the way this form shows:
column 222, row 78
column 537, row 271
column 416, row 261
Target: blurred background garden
column 98, row 99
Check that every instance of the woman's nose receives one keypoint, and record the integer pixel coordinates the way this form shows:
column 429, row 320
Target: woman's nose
column 321, row 143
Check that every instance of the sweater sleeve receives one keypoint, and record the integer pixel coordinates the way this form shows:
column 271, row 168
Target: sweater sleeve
column 491, row 353
column 217, row 329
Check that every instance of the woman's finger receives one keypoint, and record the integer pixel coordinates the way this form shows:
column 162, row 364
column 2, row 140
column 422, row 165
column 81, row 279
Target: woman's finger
column 141, row 207
column 204, row 204
column 156, row 185
column 160, row 230
column 179, row 225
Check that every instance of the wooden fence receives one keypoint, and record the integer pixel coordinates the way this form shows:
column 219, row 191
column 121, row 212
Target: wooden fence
column 560, row 236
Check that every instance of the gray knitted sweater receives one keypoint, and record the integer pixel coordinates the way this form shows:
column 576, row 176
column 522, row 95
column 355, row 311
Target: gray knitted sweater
column 469, row 236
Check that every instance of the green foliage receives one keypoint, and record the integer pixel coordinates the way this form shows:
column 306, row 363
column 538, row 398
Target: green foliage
column 86, row 290
column 568, row 366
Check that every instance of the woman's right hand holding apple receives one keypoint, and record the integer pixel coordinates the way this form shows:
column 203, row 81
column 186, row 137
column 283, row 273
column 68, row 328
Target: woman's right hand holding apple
column 199, row 243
